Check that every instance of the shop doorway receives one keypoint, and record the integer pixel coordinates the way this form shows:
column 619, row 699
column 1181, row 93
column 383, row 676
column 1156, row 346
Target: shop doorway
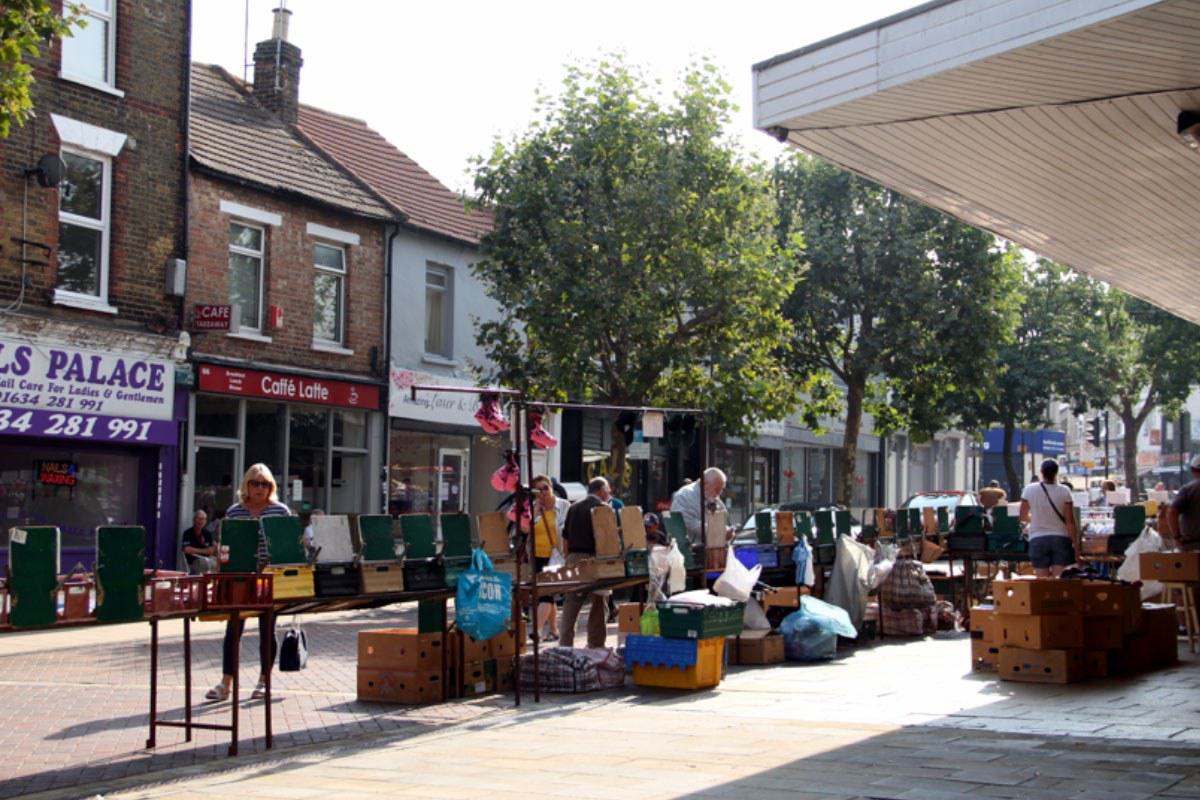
column 453, row 469
column 218, row 474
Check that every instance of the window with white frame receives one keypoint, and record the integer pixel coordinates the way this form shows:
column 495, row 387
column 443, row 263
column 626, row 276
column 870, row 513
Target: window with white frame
column 83, row 226
column 246, row 261
column 439, row 311
column 329, row 294
column 88, row 54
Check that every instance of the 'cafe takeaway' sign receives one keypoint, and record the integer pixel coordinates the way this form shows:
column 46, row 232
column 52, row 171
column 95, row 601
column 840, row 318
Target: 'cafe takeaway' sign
column 289, row 388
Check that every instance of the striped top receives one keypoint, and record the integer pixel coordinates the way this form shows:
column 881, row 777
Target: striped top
column 274, row 509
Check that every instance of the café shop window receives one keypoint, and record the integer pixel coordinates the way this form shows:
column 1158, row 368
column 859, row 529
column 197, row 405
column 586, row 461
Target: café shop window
column 74, row 489
column 324, row 451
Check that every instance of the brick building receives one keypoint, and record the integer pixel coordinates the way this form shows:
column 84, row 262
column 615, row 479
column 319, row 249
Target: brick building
column 94, row 200
column 291, row 247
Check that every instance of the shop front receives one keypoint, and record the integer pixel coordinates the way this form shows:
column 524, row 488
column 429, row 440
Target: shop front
column 751, row 471
column 88, row 437
column 321, row 436
column 439, row 460
column 811, row 465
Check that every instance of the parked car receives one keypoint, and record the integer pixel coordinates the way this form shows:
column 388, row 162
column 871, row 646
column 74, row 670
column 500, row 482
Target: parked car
column 747, row 534
column 949, row 499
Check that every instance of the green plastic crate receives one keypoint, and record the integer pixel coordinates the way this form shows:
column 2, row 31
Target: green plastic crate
column 637, row 563
column 376, row 537
column 1129, row 520
column 33, row 563
column 841, row 521
column 763, row 528
column 284, row 535
column 120, row 572
column 683, row 621
column 453, row 568
column 456, row 536
column 417, row 530
column 240, row 538
column 678, row 531
column 968, row 519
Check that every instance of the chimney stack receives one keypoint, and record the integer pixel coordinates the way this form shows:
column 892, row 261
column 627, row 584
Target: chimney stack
column 277, row 65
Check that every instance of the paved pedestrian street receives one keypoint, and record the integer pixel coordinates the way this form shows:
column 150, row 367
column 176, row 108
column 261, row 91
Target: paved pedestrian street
column 895, row 720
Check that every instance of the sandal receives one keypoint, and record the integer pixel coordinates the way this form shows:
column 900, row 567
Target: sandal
column 217, row 693
column 260, row 691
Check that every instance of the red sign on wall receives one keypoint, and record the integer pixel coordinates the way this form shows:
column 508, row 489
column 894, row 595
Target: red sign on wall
column 290, row 388
column 211, row 317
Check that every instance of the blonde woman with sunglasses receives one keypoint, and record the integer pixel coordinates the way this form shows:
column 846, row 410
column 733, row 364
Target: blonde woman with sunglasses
column 258, row 498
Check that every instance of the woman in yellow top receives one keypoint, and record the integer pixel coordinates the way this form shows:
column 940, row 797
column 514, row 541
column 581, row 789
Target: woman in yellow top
column 549, row 515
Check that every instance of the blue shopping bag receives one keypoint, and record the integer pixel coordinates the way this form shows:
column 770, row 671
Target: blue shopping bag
column 483, row 604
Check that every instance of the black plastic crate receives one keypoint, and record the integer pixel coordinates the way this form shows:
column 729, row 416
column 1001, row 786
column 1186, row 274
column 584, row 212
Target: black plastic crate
column 1006, row 543
column 824, row 555
column 423, row 574
column 337, row 580
column 967, row 542
column 452, row 567
column 1118, row 543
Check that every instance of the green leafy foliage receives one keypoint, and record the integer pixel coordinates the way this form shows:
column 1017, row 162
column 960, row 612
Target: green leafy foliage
column 634, row 256
column 900, row 303
column 25, row 27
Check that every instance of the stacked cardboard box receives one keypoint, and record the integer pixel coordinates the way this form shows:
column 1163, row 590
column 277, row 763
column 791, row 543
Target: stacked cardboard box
column 1063, row 631
column 400, row 665
column 755, row 647
column 482, row 667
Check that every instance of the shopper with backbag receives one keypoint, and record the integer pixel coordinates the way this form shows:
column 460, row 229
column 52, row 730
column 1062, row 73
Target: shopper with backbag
column 1049, row 517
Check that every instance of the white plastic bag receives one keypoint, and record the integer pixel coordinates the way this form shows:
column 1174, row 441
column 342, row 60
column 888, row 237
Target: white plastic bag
column 736, row 582
column 677, row 579
column 556, row 561
column 755, row 618
column 1130, row 570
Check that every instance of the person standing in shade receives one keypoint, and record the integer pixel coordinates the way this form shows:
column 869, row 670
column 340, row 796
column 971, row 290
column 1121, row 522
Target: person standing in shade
column 1183, row 515
column 258, row 498
column 688, row 503
column 199, row 549
column 579, row 539
column 1047, row 510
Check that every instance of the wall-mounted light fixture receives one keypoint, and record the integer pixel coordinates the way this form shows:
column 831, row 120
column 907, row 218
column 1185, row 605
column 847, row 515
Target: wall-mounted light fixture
column 1188, row 128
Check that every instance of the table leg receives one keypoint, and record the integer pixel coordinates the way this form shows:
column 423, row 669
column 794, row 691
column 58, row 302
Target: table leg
column 267, row 639
column 237, row 657
column 150, row 742
column 187, row 677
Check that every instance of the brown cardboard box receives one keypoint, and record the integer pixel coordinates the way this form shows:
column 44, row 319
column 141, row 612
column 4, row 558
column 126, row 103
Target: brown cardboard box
column 397, row 686
column 477, row 677
column 1040, row 631
column 465, row 650
column 1096, row 663
column 1102, row 633
column 1103, row 599
column 985, row 656
column 507, row 565
column 715, row 523
column 629, row 617
column 783, row 597
column 507, row 643
column 1042, row 666
column 714, row 558
column 1132, row 622
column 1160, row 632
column 633, row 529
column 785, row 528
column 1170, row 567
column 1037, row 596
column 983, row 623
column 504, row 675
column 604, row 527
column 399, row 649
column 493, row 533
column 755, row 649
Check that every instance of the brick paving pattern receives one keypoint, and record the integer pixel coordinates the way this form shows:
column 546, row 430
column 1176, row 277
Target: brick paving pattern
column 897, row 720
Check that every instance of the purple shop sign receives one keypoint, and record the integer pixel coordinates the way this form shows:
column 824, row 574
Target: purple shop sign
column 86, row 427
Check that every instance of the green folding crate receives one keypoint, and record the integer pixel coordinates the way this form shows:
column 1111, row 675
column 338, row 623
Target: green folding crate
column 841, row 520
column 120, row 572
column 377, row 537
column 803, row 523
column 239, row 540
column 1006, row 526
column 33, row 563
column 417, row 530
column 678, row 531
column 1129, row 520
column 943, row 519
column 456, row 536
column 455, row 566
column 685, row 621
column 284, row 539
column 824, row 523
column 968, row 519
column 764, row 528
column 637, row 563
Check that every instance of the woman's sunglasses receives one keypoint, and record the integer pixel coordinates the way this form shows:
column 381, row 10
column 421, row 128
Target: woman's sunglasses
column 259, row 484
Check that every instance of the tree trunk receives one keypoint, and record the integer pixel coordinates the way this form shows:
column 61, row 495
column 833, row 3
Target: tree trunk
column 1132, row 426
column 616, row 463
column 855, row 391
column 1010, row 475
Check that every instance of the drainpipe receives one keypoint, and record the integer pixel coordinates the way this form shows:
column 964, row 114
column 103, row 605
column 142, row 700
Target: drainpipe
column 390, row 239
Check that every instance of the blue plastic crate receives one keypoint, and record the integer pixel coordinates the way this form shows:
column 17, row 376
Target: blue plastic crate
column 659, row 652
column 747, row 554
column 768, row 556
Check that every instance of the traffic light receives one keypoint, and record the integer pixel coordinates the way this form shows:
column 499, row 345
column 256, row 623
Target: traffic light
column 1095, row 431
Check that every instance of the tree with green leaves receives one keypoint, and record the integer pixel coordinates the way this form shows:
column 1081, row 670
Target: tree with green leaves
column 1049, row 357
column 902, row 304
column 634, row 257
column 1144, row 358
column 25, row 27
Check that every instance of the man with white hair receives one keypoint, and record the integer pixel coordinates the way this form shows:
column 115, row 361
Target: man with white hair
column 688, row 503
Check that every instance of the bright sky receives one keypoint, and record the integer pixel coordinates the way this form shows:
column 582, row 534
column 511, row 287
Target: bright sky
column 441, row 80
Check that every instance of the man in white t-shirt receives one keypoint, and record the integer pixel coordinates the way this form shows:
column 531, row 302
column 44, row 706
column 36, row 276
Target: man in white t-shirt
column 1050, row 519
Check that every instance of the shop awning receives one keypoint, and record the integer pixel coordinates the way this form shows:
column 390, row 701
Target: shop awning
column 1051, row 123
